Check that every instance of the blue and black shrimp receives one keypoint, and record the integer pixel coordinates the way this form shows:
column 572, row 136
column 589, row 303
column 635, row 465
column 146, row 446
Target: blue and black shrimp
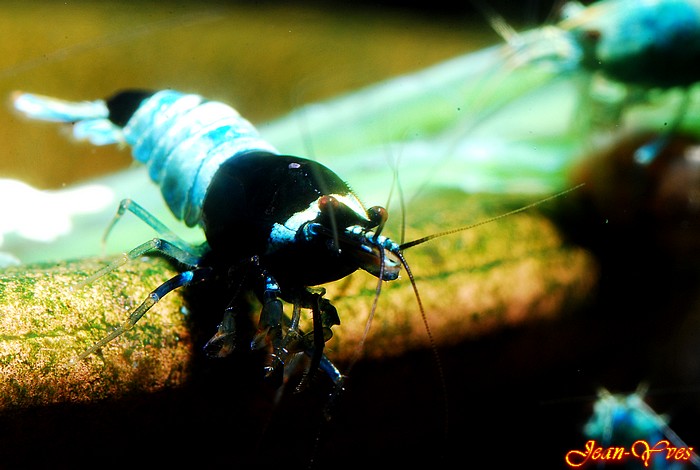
column 277, row 224
column 628, row 422
column 635, row 46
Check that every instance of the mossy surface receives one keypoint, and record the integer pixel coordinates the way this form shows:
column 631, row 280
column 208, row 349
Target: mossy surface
column 502, row 274
column 46, row 320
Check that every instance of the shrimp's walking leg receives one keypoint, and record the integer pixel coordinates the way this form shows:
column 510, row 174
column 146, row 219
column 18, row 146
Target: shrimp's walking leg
column 157, row 245
column 182, row 279
column 152, row 221
column 270, row 328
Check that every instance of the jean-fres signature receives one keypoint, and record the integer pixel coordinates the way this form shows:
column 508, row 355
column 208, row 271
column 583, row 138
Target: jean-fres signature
column 642, row 450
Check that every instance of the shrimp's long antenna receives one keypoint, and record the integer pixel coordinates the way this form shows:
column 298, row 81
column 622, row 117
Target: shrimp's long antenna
column 433, row 344
column 497, row 22
column 420, row 241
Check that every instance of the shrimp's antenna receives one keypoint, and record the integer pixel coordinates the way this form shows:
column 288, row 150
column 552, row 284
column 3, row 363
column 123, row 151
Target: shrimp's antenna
column 420, row 241
column 497, row 22
column 433, row 344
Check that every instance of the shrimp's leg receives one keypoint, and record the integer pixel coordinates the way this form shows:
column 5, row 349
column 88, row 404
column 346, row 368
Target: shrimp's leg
column 324, row 316
column 152, row 221
column 182, row 279
column 270, row 328
column 157, row 245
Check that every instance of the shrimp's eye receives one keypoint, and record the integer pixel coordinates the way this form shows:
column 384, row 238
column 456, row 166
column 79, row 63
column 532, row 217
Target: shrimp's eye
column 328, row 203
column 378, row 216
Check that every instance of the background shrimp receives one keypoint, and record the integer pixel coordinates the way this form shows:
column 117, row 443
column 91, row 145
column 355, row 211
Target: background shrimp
column 634, row 54
column 622, row 421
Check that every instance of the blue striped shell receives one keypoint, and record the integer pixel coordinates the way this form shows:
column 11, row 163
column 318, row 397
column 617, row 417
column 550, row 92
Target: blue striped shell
column 182, row 138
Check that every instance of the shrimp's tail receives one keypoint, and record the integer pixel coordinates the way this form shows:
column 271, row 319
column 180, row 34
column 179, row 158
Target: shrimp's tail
column 90, row 118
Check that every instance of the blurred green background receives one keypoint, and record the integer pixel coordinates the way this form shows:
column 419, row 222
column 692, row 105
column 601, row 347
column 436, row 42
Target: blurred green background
column 264, row 58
